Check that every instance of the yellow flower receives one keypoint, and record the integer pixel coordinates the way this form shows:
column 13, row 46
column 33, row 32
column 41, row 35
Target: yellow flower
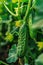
column 40, row 45
column 9, row 37
column 18, row 23
column 14, row 1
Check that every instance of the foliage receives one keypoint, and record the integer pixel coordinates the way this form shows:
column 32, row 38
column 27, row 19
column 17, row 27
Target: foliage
column 12, row 55
column 21, row 28
column 39, row 61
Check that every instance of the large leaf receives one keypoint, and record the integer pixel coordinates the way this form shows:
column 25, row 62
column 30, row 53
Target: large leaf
column 38, row 24
column 39, row 61
column 39, row 4
column 38, row 18
column 22, row 41
column 12, row 55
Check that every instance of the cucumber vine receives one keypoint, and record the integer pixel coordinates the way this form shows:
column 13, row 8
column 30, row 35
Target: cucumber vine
column 23, row 28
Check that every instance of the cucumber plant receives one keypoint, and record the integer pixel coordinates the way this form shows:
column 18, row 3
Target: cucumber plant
column 25, row 26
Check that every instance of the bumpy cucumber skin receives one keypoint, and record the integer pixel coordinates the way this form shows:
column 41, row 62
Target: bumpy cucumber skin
column 22, row 41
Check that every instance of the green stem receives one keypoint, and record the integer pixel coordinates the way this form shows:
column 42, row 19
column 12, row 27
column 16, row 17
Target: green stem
column 19, row 9
column 9, row 10
column 28, row 9
column 3, row 63
column 25, row 60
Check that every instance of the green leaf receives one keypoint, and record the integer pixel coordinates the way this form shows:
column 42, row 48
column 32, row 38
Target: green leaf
column 38, row 24
column 39, row 4
column 39, row 61
column 22, row 40
column 12, row 55
column 38, row 21
column 26, row 64
column 38, row 18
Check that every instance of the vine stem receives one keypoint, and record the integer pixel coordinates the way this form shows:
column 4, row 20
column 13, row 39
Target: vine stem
column 28, row 9
column 9, row 10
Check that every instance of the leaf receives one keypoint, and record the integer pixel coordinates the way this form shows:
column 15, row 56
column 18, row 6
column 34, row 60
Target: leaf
column 39, row 4
column 3, row 43
column 38, row 24
column 37, row 21
column 40, row 45
column 38, row 18
column 12, row 56
column 26, row 64
column 22, row 40
column 39, row 60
